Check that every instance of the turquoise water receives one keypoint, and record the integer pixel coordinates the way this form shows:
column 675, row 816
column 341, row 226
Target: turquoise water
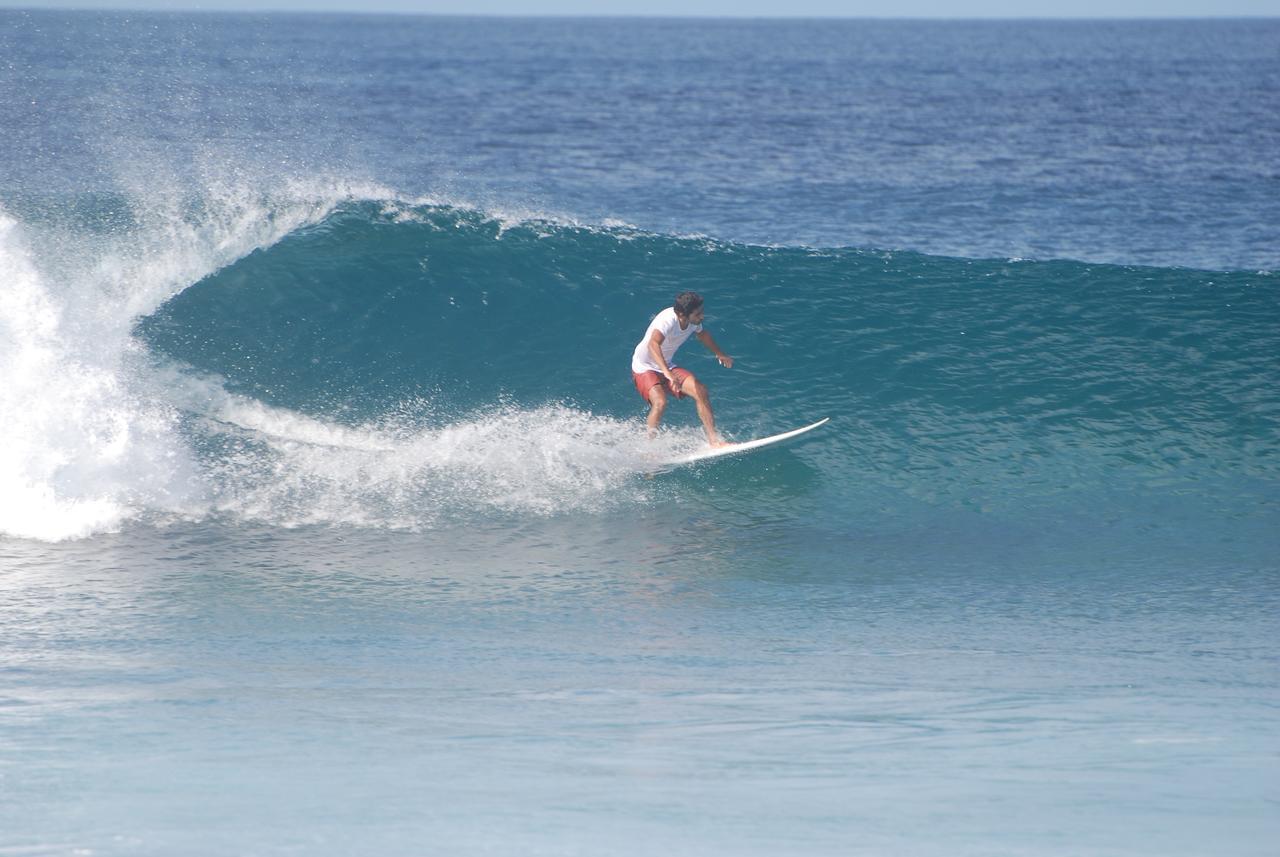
column 329, row 520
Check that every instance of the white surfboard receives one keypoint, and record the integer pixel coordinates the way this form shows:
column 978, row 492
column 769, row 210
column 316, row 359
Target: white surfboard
column 710, row 452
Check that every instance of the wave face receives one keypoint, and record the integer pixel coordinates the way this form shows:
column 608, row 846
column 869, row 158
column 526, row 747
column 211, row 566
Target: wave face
column 355, row 358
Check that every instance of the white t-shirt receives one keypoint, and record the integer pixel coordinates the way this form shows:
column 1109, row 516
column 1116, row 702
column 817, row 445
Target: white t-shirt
column 672, row 338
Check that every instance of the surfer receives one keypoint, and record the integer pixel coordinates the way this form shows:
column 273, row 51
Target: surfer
column 654, row 373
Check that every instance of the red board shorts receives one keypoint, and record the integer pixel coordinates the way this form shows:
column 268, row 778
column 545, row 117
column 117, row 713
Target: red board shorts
column 645, row 380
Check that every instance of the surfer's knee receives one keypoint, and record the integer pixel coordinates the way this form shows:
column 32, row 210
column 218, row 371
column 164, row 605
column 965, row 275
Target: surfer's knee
column 657, row 399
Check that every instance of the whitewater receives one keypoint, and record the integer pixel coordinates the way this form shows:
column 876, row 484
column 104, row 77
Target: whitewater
column 328, row 520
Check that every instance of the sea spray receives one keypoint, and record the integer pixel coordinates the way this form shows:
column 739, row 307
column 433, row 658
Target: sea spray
column 87, row 442
column 271, row 465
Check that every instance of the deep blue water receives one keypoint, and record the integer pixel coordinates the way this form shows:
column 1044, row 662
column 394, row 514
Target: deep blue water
column 329, row 521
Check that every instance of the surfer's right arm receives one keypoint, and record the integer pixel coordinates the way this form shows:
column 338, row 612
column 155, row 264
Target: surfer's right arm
column 655, row 351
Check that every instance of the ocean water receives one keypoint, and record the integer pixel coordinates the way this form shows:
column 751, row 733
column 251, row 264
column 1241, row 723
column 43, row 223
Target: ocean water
column 328, row 523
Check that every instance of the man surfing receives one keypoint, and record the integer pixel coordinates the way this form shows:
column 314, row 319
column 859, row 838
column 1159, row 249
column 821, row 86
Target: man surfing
column 656, row 376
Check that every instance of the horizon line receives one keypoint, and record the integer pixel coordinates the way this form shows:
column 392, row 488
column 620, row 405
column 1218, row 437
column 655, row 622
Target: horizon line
column 259, row 10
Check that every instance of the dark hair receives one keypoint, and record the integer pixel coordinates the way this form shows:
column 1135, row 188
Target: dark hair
column 686, row 303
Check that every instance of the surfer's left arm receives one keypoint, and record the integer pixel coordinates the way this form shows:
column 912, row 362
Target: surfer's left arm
column 705, row 338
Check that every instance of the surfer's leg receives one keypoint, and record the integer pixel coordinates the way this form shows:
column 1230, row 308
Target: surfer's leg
column 657, row 404
column 697, row 390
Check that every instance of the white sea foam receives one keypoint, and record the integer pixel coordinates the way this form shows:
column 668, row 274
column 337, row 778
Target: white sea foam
column 85, row 441
column 288, row 469
column 76, row 450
